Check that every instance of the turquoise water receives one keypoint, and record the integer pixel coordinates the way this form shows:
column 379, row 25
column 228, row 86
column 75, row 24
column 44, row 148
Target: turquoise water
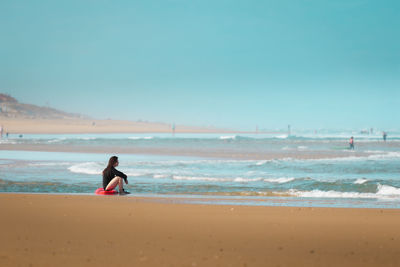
column 368, row 177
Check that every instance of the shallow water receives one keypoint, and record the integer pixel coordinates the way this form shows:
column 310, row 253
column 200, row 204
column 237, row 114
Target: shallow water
column 370, row 178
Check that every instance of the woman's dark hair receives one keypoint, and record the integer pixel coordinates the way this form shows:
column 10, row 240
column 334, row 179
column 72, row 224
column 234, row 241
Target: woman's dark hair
column 111, row 163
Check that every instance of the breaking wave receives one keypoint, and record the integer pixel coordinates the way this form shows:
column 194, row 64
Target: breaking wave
column 279, row 180
column 141, row 138
column 87, row 168
column 360, row 181
column 383, row 192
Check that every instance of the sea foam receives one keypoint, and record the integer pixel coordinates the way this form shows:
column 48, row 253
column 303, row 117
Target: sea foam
column 57, row 140
column 141, row 138
column 281, row 180
column 262, row 162
column 387, row 190
column 42, row 164
column 228, row 137
column 159, row 176
column 383, row 192
column 197, row 178
column 246, row 180
column 360, row 181
column 87, row 168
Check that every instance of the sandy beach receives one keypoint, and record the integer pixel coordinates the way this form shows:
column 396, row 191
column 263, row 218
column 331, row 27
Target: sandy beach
column 249, row 134
column 76, row 230
column 69, row 126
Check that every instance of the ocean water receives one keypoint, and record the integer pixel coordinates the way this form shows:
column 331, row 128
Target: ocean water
column 305, row 169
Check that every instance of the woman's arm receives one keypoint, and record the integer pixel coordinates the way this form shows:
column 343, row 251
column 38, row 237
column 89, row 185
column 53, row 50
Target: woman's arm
column 120, row 174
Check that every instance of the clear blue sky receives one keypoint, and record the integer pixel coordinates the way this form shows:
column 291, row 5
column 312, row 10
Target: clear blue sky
column 310, row 63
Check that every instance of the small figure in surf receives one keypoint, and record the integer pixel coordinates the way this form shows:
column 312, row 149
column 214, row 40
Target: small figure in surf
column 351, row 143
column 384, row 135
column 113, row 178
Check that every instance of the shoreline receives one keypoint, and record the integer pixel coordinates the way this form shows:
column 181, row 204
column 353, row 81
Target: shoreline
column 238, row 200
column 65, row 230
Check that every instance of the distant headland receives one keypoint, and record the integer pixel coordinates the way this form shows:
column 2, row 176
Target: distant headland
column 16, row 117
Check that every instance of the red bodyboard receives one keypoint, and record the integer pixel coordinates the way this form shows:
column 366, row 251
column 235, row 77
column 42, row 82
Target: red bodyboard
column 101, row 191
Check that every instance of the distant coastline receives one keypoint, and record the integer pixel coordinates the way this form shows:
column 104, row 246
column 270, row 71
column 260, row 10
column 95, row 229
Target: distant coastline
column 82, row 126
column 21, row 118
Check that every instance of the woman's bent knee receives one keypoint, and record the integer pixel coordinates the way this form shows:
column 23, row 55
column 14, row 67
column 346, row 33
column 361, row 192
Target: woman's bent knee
column 113, row 183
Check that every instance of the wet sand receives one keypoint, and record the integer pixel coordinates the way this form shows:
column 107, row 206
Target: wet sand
column 75, row 230
column 224, row 153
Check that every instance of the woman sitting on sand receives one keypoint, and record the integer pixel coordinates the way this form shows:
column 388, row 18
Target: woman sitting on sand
column 113, row 177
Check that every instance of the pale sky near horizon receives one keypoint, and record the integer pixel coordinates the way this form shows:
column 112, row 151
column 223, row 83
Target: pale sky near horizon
column 311, row 63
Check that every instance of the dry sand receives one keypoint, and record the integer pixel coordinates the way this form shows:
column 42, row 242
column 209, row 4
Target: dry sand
column 50, row 126
column 72, row 230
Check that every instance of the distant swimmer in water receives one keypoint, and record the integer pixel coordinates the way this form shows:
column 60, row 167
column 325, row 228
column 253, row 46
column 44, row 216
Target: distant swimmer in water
column 112, row 177
column 384, row 134
column 351, row 143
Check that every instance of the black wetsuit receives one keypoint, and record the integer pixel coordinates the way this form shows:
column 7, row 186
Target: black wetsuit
column 108, row 176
